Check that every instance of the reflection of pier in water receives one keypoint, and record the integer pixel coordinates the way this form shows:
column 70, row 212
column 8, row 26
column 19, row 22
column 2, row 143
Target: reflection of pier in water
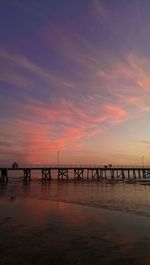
column 80, row 173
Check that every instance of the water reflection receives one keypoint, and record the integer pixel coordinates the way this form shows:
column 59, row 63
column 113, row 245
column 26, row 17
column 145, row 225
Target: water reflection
column 79, row 234
column 123, row 197
column 3, row 189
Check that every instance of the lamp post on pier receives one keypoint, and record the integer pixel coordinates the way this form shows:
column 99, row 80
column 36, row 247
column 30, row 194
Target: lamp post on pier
column 58, row 153
column 142, row 160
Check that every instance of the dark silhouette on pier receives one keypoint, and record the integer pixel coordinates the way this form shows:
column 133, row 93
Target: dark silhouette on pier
column 15, row 165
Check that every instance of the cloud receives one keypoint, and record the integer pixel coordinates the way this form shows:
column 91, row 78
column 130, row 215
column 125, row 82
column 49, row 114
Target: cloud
column 138, row 70
column 145, row 142
column 15, row 79
column 115, row 114
column 40, row 130
column 15, row 63
column 99, row 11
column 127, row 82
column 132, row 68
column 97, row 92
column 101, row 74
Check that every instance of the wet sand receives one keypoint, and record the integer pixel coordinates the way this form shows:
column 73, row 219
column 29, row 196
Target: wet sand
column 41, row 232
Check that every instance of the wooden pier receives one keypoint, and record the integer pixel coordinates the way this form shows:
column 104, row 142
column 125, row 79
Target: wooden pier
column 78, row 173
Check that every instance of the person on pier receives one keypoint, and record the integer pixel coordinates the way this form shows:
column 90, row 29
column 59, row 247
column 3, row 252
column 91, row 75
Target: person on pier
column 15, row 165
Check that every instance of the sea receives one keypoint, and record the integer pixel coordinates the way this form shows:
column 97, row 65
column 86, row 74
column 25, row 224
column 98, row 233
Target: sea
column 71, row 222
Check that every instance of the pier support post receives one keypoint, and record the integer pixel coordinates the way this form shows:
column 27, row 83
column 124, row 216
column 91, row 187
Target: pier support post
column 4, row 175
column 101, row 173
column 139, row 173
column 88, row 171
column 144, row 173
column 46, row 174
column 105, row 173
column 122, row 174
column 98, row 174
column 128, row 173
column 112, row 173
column 117, row 174
column 27, row 174
column 78, row 174
column 95, row 174
column 134, row 174
column 62, row 173
column 148, row 173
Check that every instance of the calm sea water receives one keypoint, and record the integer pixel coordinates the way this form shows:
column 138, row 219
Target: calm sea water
column 74, row 223
column 131, row 198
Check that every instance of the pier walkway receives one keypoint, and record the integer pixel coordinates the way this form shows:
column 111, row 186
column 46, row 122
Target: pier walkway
column 78, row 173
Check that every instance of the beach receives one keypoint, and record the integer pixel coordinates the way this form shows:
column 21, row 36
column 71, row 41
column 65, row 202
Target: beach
column 37, row 229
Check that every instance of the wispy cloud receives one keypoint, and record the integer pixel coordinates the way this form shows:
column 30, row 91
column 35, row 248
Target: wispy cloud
column 41, row 130
column 16, row 62
column 15, row 79
column 99, row 11
column 64, row 103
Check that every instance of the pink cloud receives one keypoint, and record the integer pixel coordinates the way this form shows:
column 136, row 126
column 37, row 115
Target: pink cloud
column 40, row 129
column 132, row 68
column 43, row 130
column 115, row 114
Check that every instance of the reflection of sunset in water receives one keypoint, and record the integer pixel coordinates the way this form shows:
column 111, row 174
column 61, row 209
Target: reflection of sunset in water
column 40, row 211
column 76, row 218
column 71, row 231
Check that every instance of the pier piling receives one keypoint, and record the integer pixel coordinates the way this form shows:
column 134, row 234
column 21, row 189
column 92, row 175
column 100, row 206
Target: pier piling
column 62, row 173
column 78, row 174
column 27, row 174
column 4, row 175
column 46, row 174
column 81, row 173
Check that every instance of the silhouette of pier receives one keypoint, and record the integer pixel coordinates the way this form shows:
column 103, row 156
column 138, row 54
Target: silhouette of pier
column 78, row 173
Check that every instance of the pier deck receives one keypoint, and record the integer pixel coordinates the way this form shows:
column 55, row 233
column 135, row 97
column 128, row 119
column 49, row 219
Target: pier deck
column 79, row 172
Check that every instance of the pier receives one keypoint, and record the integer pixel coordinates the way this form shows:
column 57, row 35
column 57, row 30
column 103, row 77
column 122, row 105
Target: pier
column 78, row 173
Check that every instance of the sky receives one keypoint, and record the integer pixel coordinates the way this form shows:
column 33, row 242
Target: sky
column 75, row 82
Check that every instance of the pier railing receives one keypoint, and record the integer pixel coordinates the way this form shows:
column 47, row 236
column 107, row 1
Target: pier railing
column 39, row 166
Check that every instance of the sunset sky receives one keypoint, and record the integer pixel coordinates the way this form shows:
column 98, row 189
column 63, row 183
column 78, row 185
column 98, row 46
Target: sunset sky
column 75, row 79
